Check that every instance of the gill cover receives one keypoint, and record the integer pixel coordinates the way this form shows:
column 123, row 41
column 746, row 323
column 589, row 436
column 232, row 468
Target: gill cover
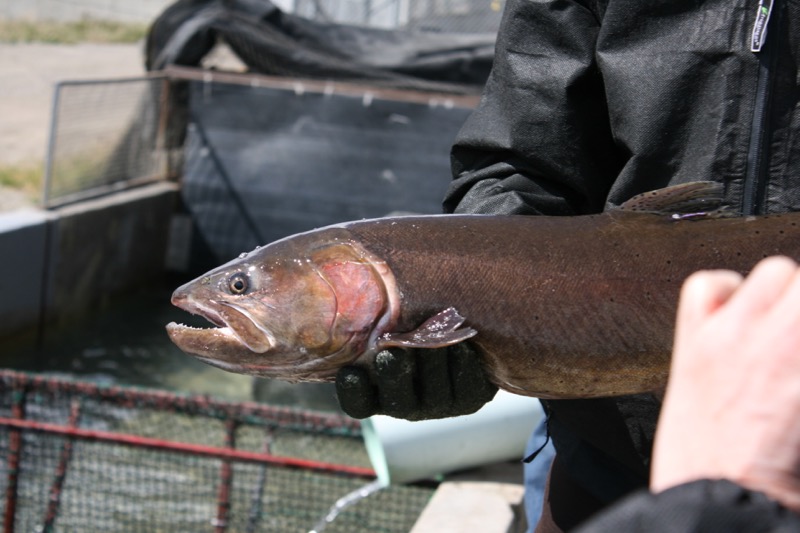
column 318, row 299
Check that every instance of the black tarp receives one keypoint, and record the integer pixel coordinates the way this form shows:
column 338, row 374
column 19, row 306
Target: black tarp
column 270, row 41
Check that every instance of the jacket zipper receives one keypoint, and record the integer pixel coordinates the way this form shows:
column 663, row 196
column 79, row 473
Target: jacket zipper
column 757, row 157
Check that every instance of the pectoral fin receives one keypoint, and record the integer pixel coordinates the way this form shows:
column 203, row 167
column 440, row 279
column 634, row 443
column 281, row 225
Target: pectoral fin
column 442, row 329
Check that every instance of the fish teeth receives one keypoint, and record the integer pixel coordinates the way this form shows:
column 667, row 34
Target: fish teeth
column 195, row 328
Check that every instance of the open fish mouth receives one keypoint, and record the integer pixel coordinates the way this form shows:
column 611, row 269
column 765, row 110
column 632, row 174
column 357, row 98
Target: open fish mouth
column 190, row 305
column 201, row 341
column 222, row 347
column 235, row 330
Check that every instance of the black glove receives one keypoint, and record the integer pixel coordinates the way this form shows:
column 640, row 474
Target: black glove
column 416, row 384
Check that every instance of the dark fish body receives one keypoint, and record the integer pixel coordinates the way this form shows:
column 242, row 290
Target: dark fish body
column 563, row 307
column 567, row 306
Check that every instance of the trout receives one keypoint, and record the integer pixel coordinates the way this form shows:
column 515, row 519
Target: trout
column 557, row 307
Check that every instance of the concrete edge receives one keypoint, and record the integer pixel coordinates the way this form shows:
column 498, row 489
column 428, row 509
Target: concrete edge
column 60, row 263
column 488, row 507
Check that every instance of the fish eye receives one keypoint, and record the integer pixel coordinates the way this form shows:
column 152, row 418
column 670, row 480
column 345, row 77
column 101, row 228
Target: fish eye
column 238, row 283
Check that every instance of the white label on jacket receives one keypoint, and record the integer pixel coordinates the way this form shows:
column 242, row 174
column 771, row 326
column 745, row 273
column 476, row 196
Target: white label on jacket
column 760, row 25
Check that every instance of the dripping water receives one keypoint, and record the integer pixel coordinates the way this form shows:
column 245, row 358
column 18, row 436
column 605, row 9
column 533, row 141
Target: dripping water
column 346, row 501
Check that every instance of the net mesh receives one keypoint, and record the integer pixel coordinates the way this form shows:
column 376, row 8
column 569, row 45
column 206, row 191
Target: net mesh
column 76, row 456
column 106, row 134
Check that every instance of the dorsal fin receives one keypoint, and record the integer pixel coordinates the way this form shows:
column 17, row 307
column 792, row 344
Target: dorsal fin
column 685, row 198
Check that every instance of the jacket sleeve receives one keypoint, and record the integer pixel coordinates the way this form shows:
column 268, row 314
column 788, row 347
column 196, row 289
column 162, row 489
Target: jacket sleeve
column 539, row 141
column 707, row 506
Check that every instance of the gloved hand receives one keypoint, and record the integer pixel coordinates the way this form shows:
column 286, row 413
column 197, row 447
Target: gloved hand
column 416, row 384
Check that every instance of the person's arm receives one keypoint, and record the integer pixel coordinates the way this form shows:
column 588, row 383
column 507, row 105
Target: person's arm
column 540, row 141
column 727, row 450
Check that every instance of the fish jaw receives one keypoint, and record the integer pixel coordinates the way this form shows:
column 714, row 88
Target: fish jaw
column 207, row 343
column 249, row 330
column 220, row 347
column 236, row 332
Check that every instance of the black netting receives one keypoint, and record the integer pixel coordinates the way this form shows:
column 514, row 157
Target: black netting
column 80, row 457
column 266, row 162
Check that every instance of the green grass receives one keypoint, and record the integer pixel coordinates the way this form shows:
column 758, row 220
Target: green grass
column 25, row 177
column 82, row 31
column 72, row 174
column 81, row 171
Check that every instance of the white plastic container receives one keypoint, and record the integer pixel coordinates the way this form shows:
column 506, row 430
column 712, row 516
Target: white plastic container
column 403, row 451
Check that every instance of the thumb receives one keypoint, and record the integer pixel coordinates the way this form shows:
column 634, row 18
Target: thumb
column 702, row 294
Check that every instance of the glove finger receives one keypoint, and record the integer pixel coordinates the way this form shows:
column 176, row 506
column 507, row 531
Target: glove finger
column 357, row 395
column 471, row 386
column 434, row 389
column 394, row 376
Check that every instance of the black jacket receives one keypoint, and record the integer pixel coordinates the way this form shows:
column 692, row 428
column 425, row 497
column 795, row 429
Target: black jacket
column 704, row 506
column 592, row 102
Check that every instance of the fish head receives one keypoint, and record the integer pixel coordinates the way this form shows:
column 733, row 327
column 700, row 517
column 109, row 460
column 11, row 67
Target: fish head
column 297, row 310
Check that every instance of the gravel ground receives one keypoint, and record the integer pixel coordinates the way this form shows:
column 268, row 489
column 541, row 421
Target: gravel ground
column 28, row 75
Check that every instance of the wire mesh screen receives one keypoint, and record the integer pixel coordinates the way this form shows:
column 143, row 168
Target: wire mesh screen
column 105, row 135
column 80, row 457
column 263, row 161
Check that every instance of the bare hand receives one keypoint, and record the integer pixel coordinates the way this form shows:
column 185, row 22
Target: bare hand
column 732, row 407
